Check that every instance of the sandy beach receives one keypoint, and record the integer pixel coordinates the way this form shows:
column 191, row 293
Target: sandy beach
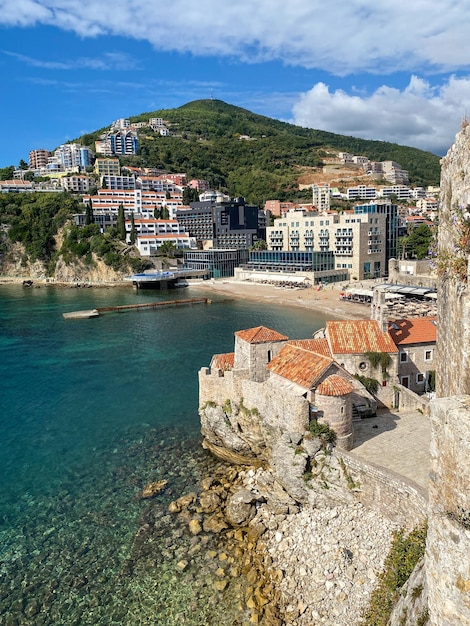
column 326, row 300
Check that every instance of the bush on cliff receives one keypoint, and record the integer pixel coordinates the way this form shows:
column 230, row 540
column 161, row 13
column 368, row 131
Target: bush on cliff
column 405, row 552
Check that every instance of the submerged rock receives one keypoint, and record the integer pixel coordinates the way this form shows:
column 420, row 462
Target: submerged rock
column 152, row 489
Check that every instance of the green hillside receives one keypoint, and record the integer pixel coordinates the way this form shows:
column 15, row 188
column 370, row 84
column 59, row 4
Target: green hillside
column 205, row 144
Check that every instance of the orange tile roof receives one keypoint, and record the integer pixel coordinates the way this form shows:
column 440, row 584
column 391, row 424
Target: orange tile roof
column 357, row 337
column 300, row 366
column 223, row 361
column 413, row 330
column 320, row 346
column 260, row 334
column 335, row 385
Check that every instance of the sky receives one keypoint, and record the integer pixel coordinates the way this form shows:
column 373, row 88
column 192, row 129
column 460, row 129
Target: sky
column 393, row 71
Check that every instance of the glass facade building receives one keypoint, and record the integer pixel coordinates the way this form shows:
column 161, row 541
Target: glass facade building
column 219, row 263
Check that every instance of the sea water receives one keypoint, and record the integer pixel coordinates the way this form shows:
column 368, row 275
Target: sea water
column 91, row 411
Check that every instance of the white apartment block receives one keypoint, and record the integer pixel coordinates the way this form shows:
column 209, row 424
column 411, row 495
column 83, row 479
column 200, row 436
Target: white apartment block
column 77, row 184
column 120, row 124
column 134, row 201
column 156, row 122
column 402, row 192
column 321, row 196
column 155, row 183
column 148, row 245
column 361, row 192
column 427, row 204
column 104, row 147
column 154, row 227
column 357, row 241
column 112, row 181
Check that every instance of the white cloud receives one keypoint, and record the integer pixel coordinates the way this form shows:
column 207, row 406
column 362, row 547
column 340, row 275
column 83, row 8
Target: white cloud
column 107, row 61
column 337, row 36
column 420, row 115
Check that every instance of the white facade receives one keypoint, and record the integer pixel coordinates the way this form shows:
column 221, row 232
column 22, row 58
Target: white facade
column 148, row 245
column 361, row 192
column 77, row 184
column 357, row 241
column 321, row 196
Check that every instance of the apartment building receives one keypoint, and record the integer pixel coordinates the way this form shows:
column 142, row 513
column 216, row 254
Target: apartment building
column 321, row 196
column 149, row 245
column 154, row 227
column 38, row 159
column 361, row 192
column 356, row 240
column 226, row 224
column 113, row 181
column 69, row 157
column 107, row 167
column 427, row 205
column 390, row 210
column 77, row 184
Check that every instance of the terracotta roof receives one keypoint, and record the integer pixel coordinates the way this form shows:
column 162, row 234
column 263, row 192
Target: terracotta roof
column 335, row 385
column 260, row 334
column 413, row 330
column 300, row 366
column 223, row 361
column 357, row 337
column 320, row 346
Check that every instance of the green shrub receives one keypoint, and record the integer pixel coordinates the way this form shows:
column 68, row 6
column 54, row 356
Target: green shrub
column 404, row 554
column 323, row 432
column 371, row 384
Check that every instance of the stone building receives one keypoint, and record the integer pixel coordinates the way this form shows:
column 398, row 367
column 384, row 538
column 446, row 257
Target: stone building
column 284, row 384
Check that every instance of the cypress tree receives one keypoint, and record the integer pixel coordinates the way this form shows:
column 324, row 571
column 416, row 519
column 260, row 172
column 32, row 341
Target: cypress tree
column 121, row 223
column 89, row 213
column 133, row 230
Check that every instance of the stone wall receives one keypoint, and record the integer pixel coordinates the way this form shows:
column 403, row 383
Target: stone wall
column 453, row 375
column 448, row 545
column 389, row 493
column 412, row 272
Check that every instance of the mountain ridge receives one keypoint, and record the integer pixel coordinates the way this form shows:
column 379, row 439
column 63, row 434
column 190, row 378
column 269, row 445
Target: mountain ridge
column 205, row 142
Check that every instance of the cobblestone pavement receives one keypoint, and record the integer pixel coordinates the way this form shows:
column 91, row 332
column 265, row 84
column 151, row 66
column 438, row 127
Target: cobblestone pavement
column 397, row 441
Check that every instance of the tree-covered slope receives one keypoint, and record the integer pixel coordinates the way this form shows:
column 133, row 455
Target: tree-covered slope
column 205, row 142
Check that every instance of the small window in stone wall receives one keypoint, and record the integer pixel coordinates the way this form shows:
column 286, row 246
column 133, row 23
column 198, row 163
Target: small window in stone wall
column 403, row 357
column 420, row 378
column 270, row 355
column 342, row 410
column 362, row 365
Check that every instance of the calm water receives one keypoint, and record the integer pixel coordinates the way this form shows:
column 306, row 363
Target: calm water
column 91, row 410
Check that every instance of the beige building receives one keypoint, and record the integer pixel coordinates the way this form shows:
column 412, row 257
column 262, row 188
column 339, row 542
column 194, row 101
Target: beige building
column 357, row 240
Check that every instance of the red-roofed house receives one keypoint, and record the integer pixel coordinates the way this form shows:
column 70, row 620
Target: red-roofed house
column 352, row 344
column 415, row 339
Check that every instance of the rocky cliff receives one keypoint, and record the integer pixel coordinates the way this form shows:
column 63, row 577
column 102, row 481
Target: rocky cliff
column 16, row 265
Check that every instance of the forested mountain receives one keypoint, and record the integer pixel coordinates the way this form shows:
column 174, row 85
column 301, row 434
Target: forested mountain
column 205, row 143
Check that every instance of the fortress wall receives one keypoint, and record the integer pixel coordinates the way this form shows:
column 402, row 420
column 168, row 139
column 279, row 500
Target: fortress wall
column 280, row 409
column 453, row 346
column 448, row 544
column 385, row 491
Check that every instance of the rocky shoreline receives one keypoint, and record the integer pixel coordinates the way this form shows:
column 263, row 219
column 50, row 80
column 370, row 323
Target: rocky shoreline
column 300, row 565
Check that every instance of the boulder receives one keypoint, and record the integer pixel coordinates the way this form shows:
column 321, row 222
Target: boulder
column 241, row 507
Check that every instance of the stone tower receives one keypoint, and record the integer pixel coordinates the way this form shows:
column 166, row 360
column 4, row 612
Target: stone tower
column 379, row 309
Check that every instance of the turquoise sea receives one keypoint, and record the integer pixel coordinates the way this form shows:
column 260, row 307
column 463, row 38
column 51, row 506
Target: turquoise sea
column 90, row 412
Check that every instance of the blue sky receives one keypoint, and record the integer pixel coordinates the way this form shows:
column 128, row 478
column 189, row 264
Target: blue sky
column 396, row 71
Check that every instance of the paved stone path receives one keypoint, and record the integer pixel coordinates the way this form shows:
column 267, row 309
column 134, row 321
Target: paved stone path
column 397, row 441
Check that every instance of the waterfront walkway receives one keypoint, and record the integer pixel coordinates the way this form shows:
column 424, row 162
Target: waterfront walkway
column 396, row 441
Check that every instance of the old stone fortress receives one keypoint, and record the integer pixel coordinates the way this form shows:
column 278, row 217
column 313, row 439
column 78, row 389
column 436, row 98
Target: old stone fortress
column 257, row 405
